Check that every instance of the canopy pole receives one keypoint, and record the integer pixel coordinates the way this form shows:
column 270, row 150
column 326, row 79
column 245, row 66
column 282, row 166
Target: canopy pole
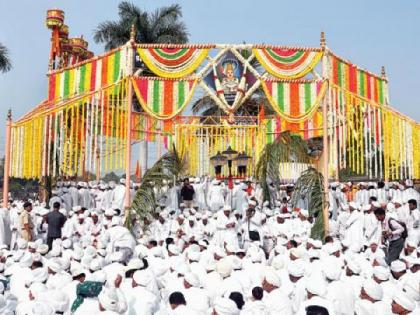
column 6, row 171
column 325, row 155
column 129, row 99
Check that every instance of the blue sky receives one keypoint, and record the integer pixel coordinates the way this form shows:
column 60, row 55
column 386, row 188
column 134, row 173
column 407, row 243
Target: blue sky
column 370, row 33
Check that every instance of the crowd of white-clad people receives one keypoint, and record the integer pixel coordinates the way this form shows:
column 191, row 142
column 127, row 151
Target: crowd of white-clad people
column 212, row 250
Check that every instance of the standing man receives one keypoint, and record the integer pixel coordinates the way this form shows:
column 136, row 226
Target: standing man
column 187, row 193
column 26, row 222
column 393, row 232
column 55, row 220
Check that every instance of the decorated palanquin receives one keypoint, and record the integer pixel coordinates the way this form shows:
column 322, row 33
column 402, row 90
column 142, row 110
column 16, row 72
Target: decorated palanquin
column 97, row 107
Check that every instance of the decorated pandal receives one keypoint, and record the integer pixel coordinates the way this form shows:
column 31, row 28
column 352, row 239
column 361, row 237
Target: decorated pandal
column 96, row 108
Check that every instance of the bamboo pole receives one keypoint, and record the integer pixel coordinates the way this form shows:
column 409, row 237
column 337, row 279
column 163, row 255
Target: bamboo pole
column 6, row 170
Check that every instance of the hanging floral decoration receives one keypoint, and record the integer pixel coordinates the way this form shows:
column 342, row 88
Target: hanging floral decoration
column 163, row 98
column 294, row 101
column 173, row 62
column 288, row 63
column 88, row 76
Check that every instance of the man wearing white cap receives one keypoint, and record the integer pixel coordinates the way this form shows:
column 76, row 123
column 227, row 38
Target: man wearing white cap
column 215, row 199
column 274, row 299
column 316, row 290
column 109, row 302
column 197, row 299
column 141, row 300
column 226, row 226
column 369, row 299
column 340, row 293
column 354, row 227
column 118, row 195
column 241, row 199
column 402, row 304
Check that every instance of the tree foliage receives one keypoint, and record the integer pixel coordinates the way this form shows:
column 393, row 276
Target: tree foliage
column 310, row 184
column 164, row 25
column 167, row 169
column 286, row 148
column 5, row 63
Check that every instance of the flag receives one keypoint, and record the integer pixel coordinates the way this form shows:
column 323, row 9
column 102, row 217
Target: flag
column 138, row 172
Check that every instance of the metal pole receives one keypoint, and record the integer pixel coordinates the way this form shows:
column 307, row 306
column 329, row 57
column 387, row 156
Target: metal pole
column 7, row 160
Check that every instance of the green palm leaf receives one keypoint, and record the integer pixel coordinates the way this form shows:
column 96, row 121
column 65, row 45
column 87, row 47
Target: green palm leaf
column 286, row 148
column 168, row 168
column 310, row 183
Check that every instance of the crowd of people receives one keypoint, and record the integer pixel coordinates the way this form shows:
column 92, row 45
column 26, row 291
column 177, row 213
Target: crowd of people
column 212, row 250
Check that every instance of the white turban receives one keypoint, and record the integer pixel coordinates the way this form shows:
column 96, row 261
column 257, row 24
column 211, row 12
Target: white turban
column 54, row 265
column 331, row 269
column 398, row 266
column 296, row 269
column 402, row 299
column 39, row 275
column 381, row 273
column 58, row 300
column 135, row 263
column 174, row 249
column 224, row 268
column 142, row 277
column 316, row 285
column 108, row 298
column 225, row 306
column 192, row 279
column 42, row 308
column 26, row 260
column 354, row 266
column 37, row 288
column 272, row 278
column 42, row 249
column 373, row 289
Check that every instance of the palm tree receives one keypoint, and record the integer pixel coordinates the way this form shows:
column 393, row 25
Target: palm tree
column 5, row 63
column 168, row 168
column 286, row 148
column 292, row 148
column 164, row 25
column 310, row 184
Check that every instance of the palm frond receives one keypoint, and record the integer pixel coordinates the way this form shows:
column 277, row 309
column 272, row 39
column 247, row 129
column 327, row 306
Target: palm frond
column 310, row 184
column 169, row 167
column 286, row 148
column 5, row 63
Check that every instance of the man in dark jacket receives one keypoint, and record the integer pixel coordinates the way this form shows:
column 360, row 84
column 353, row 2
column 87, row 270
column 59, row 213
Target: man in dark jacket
column 55, row 220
